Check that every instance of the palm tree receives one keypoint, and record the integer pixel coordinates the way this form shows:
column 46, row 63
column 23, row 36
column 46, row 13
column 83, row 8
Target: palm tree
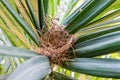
column 34, row 41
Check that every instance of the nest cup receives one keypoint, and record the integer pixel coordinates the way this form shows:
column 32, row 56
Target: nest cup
column 55, row 44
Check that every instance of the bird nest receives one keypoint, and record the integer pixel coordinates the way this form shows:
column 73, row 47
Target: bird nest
column 55, row 44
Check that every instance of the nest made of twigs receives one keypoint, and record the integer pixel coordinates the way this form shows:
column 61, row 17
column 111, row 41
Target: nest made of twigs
column 55, row 44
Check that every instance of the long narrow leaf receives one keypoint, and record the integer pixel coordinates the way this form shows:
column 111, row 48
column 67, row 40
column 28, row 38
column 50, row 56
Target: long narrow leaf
column 13, row 4
column 89, row 13
column 11, row 30
column 105, row 27
column 46, row 6
column 105, row 18
column 73, row 15
column 53, row 7
column 111, row 8
column 33, row 16
column 97, row 67
column 98, row 33
column 6, row 31
column 21, row 21
column 35, row 68
column 6, row 65
column 41, row 13
column 16, row 52
column 24, row 12
column 98, row 46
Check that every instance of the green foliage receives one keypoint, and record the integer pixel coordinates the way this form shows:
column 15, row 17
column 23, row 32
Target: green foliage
column 95, row 25
column 89, row 13
column 20, row 21
column 0, row 69
column 95, row 66
column 37, row 68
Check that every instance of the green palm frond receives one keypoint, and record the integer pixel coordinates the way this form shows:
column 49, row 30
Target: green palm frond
column 95, row 24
